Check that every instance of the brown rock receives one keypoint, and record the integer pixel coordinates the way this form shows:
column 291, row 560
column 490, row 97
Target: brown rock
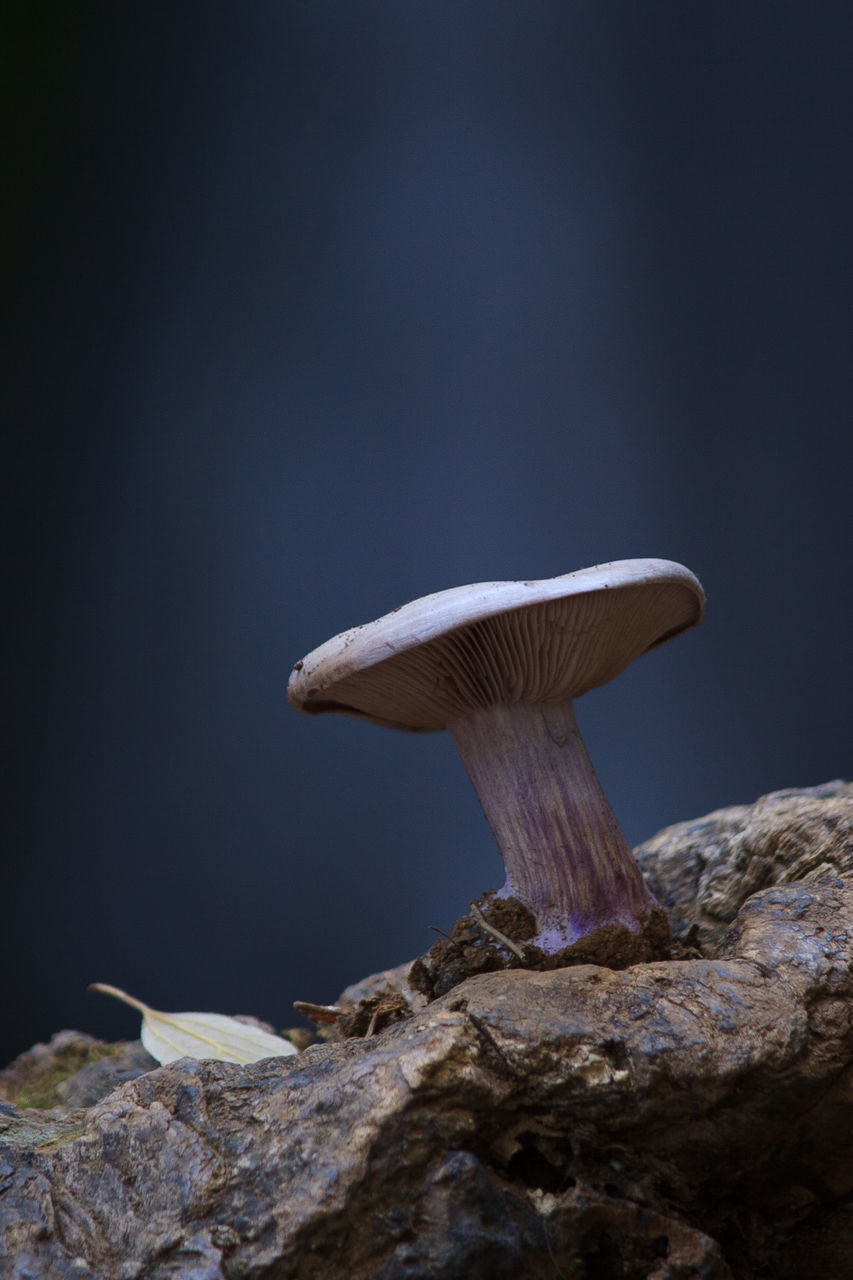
column 677, row 1119
column 703, row 871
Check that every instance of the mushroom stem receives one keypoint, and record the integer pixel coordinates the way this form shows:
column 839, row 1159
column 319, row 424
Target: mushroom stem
column 565, row 856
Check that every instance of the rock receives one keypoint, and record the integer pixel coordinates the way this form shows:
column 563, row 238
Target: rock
column 73, row 1069
column 673, row 1120
column 703, row 871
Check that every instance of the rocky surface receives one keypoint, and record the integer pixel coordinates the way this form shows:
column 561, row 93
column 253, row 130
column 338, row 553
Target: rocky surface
column 703, row 871
column 676, row 1119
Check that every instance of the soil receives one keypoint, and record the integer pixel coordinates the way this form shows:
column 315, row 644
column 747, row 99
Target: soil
column 475, row 946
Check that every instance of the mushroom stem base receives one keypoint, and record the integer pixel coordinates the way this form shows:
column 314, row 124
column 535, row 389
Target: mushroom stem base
column 566, row 858
column 474, row 947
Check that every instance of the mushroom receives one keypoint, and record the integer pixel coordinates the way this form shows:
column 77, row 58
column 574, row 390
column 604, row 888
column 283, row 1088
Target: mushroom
column 498, row 664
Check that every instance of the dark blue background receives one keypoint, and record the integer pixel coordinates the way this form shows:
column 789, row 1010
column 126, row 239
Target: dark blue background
column 314, row 308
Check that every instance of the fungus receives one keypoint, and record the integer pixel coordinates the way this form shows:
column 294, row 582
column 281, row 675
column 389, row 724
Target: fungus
column 498, row 664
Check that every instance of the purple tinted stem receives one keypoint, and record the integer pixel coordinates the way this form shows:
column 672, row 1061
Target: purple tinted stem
column 565, row 856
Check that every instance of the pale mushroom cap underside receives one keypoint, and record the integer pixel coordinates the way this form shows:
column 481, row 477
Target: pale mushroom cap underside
column 438, row 658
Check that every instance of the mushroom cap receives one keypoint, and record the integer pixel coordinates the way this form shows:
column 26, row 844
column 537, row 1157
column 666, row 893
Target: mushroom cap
column 437, row 659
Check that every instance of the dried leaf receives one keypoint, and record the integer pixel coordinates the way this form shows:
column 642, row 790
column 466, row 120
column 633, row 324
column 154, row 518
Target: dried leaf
column 322, row 1015
column 169, row 1036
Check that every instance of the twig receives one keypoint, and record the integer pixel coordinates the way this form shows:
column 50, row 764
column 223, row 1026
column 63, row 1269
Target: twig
column 496, row 933
column 482, row 1030
column 319, row 1014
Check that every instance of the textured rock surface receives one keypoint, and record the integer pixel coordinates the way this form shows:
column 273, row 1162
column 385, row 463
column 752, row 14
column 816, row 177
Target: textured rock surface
column 689, row 1118
column 703, row 871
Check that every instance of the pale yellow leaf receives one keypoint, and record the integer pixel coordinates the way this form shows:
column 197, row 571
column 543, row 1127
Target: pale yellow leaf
column 169, row 1036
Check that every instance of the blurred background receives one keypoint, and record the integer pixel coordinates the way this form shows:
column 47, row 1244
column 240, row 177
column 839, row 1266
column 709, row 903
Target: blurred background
column 315, row 308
